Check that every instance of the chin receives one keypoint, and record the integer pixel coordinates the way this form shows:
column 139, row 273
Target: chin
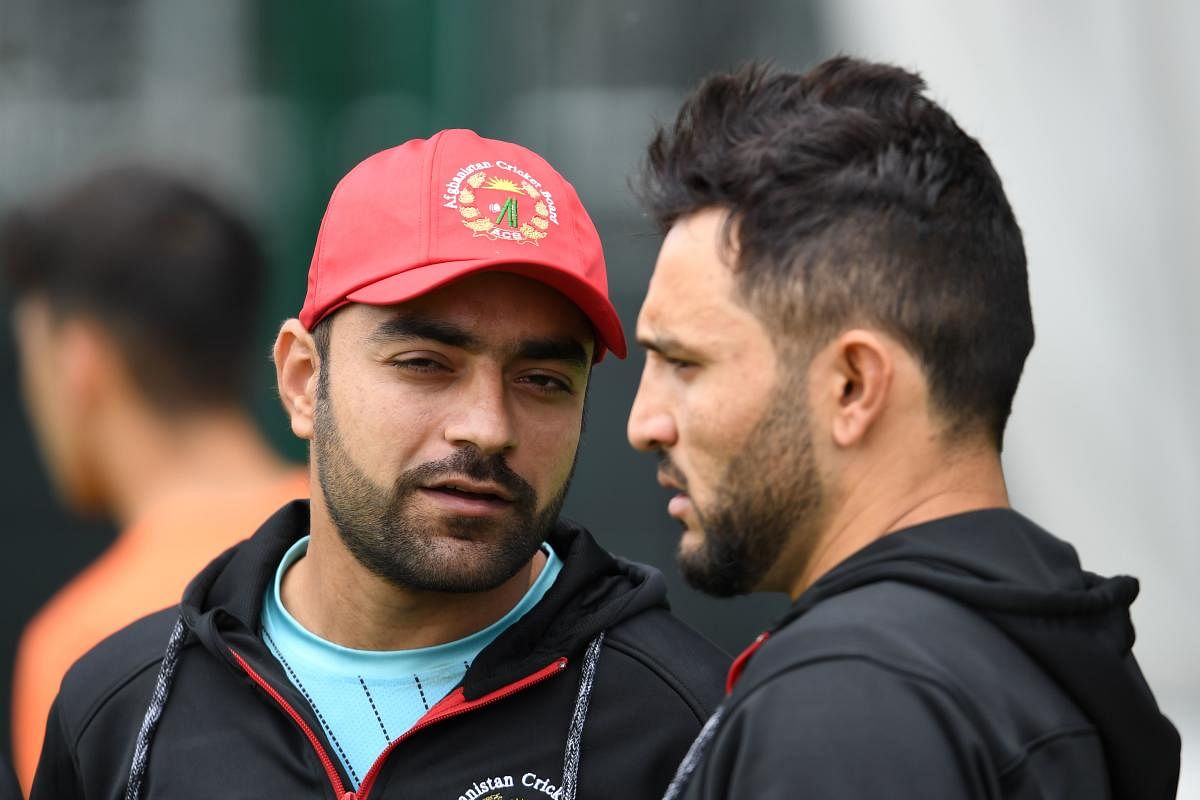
column 713, row 570
column 691, row 542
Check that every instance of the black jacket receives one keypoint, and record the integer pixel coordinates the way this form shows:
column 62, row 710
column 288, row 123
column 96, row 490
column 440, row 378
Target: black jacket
column 598, row 681
column 970, row 657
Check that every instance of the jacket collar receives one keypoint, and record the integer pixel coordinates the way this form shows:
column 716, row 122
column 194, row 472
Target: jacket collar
column 593, row 592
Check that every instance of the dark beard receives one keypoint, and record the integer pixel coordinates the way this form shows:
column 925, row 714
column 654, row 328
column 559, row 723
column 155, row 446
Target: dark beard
column 770, row 492
column 387, row 535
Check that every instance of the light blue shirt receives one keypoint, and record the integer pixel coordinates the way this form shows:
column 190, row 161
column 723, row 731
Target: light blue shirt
column 366, row 698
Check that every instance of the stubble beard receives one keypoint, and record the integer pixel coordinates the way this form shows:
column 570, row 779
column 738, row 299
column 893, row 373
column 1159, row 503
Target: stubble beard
column 387, row 533
column 769, row 497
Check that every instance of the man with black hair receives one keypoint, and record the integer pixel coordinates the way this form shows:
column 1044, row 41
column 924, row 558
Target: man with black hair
column 427, row 626
column 137, row 296
column 836, row 326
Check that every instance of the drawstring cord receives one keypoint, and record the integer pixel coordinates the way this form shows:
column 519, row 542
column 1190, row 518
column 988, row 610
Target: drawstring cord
column 575, row 733
column 162, row 687
column 166, row 674
column 692, row 758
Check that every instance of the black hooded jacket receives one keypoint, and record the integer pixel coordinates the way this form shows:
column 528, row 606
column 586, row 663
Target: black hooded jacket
column 595, row 693
column 970, row 657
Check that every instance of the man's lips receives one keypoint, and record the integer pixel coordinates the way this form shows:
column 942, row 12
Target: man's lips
column 680, row 503
column 466, row 487
column 671, row 482
column 466, row 503
column 468, row 497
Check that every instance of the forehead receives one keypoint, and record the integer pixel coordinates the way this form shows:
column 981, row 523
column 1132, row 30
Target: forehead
column 497, row 308
column 692, row 296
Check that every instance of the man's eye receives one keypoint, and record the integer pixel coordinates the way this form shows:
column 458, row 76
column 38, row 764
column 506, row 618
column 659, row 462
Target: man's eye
column 671, row 361
column 679, row 363
column 419, row 364
column 548, row 384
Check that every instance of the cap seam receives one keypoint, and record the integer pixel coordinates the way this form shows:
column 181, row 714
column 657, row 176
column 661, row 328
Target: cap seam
column 577, row 248
column 426, row 207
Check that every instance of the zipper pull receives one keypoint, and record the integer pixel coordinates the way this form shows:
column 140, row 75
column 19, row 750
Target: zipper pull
column 349, row 796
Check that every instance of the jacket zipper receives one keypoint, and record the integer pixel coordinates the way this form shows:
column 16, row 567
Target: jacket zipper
column 452, row 706
column 335, row 780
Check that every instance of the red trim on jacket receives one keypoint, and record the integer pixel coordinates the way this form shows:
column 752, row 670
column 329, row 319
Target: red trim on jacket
column 739, row 663
column 452, row 705
column 335, row 780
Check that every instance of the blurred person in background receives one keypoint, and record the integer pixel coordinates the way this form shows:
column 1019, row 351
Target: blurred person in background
column 837, row 322
column 136, row 301
column 8, row 781
column 426, row 627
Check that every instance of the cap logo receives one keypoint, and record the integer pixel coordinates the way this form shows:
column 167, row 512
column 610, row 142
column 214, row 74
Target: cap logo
column 501, row 201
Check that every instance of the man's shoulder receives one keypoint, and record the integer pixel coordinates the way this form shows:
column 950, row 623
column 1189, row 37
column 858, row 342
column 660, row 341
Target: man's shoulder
column 892, row 622
column 117, row 665
column 920, row 638
column 666, row 649
column 851, row 699
column 896, row 660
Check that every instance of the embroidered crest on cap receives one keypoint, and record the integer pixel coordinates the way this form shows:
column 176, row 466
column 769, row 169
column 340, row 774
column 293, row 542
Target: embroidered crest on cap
column 501, row 201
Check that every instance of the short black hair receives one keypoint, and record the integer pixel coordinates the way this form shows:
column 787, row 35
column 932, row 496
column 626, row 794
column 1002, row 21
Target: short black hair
column 175, row 276
column 855, row 199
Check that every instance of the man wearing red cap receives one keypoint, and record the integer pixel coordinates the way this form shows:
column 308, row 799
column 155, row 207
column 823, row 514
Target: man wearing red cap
column 427, row 627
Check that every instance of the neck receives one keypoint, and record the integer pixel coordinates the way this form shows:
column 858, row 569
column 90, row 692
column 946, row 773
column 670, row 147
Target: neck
column 900, row 493
column 339, row 600
column 146, row 459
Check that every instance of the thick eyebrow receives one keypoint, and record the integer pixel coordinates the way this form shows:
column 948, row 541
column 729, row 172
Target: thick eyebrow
column 658, row 343
column 567, row 350
column 407, row 327
column 410, row 326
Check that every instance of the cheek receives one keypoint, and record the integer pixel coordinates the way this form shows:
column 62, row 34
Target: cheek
column 48, row 406
column 383, row 429
column 37, row 387
column 548, row 448
column 714, row 425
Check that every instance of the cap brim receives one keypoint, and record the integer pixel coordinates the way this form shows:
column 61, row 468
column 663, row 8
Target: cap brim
column 416, row 282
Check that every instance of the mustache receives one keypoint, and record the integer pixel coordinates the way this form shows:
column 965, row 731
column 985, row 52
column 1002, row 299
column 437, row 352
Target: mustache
column 470, row 463
column 667, row 467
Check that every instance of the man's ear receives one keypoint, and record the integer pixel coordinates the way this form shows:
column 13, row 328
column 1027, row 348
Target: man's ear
column 296, row 368
column 861, row 373
column 91, row 362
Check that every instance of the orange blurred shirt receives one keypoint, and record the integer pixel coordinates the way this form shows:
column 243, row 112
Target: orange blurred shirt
column 145, row 569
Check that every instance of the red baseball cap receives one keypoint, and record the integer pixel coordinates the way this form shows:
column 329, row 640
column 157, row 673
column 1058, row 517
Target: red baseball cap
column 418, row 216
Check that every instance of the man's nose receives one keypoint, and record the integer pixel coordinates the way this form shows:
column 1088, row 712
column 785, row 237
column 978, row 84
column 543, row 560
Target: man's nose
column 651, row 425
column 484, row 418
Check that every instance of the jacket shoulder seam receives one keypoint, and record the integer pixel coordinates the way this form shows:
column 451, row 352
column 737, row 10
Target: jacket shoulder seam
column 1036, row 744
column 107, row 695
column 796, row 666
column 1027, row 748
column 664, row 673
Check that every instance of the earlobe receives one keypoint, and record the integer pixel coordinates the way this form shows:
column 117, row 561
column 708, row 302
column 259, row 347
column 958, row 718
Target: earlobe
column 296, row 366
column 866, row 372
